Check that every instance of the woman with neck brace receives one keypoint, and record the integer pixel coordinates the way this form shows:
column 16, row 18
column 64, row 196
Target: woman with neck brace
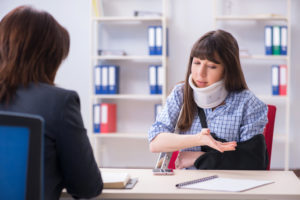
column 214, row 82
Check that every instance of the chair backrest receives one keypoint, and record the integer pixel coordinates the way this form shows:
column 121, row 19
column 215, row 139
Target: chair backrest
column 21, row 156
column 268, row 133
column 269, row 130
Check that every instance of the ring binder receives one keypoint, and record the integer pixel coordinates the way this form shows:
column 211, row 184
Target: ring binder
column 196, row 181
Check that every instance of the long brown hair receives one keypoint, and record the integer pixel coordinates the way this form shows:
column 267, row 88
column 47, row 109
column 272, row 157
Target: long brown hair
column 32, row 46
column 212, row 46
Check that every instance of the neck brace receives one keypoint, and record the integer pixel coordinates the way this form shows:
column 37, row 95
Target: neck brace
column 211, row 96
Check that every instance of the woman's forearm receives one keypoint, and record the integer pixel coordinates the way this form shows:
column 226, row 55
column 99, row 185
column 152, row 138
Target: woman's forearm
column 169, row 142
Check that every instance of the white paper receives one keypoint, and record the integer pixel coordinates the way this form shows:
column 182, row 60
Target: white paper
column 227, row 184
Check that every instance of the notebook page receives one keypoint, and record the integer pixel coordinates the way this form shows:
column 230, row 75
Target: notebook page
column 227, row 184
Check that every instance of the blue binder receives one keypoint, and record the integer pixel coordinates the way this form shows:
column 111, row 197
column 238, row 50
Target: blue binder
column 275, row 79
column 96, row 118
column 153, row 79
column 113, row 80
column 151, row 40
column 158, row 40
column 97, row 79
column 159, row 73
column 283, row 40
column 104, row 79
column 268, row 40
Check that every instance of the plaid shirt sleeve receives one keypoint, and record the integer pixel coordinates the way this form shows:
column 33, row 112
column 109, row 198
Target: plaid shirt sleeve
column 254, row 118
column 167, row 119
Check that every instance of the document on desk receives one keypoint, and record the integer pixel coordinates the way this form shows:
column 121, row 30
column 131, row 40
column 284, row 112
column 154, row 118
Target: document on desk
column 115, row 180
column 223, row 184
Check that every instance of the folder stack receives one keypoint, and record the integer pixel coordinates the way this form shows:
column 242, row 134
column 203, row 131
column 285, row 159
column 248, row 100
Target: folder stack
column 104, row 118
column 106, row 79
column 155, row 40
column 276, row 40
column 279, row 80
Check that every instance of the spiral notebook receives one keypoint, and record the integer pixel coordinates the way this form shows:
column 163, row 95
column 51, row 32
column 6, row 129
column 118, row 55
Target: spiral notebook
column 222, row 184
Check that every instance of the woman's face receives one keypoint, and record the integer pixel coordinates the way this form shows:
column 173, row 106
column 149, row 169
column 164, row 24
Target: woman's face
column 205, row 72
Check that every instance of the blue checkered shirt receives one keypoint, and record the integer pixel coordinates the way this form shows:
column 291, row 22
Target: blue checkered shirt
column 241, row 117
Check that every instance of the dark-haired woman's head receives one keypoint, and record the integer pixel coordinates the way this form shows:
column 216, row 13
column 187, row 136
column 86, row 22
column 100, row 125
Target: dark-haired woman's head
column 221, row 48
column 32, row 46
column 214, row 61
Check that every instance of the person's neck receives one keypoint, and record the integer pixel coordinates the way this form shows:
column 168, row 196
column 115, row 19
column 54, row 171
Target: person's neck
column 223, row 103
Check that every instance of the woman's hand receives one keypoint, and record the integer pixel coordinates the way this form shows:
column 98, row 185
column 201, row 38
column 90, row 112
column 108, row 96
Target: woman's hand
column 206, row 139
column 187, row 158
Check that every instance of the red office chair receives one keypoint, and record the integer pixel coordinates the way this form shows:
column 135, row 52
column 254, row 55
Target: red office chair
column 268, row 133
column 269, row 129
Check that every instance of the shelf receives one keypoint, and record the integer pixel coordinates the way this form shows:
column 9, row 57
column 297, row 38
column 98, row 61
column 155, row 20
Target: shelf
column 130, row 96
column 265, row 57
column 270, row 98
column 125, row 19
column 254, row 17
column 120, row 135
column 150, row 58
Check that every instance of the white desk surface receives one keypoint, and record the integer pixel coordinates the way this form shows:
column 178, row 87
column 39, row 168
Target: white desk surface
column 286, row 185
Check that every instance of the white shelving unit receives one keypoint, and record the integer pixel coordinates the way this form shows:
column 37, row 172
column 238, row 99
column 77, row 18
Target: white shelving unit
column 135, row 64
column 258, row 19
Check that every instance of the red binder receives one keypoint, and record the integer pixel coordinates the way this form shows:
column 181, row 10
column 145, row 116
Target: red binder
column 283, row 80
column 108, row 118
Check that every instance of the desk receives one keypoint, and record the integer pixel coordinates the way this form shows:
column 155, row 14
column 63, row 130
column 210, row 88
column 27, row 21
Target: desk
column 286, row 186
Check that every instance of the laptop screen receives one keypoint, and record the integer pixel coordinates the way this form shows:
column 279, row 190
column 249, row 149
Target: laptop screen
column 14, row 149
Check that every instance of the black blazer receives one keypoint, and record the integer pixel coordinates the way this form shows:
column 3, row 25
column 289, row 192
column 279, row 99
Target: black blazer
column 68, row 157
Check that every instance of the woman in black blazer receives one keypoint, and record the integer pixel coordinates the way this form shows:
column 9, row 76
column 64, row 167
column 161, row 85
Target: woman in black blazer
column 32, row 47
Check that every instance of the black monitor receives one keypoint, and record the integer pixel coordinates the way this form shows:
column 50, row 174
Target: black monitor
column 21, row 156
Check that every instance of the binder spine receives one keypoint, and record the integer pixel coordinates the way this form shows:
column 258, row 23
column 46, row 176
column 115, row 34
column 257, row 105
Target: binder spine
column 151, row 40
column 268, row 40
column 152, row 79
column 97, row 79
column 104, row 73
column 275, row 79
column 159, row 79
column 108, row 118
column 283, row 40
column 96, row 118
column 158, row 40
column 276, row 40
column 113, row 79
column 283, row 80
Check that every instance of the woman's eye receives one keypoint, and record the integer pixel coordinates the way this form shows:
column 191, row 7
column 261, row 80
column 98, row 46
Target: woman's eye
column 196, row 63
column 212, row 67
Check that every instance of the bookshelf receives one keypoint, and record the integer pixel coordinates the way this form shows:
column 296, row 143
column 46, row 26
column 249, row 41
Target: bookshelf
column 115, row 27
column 231, row 16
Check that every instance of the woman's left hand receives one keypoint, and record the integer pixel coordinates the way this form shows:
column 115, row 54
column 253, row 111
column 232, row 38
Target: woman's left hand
column 187, row 158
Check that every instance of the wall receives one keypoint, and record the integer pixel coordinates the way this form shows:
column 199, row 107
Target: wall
column 189, row 19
